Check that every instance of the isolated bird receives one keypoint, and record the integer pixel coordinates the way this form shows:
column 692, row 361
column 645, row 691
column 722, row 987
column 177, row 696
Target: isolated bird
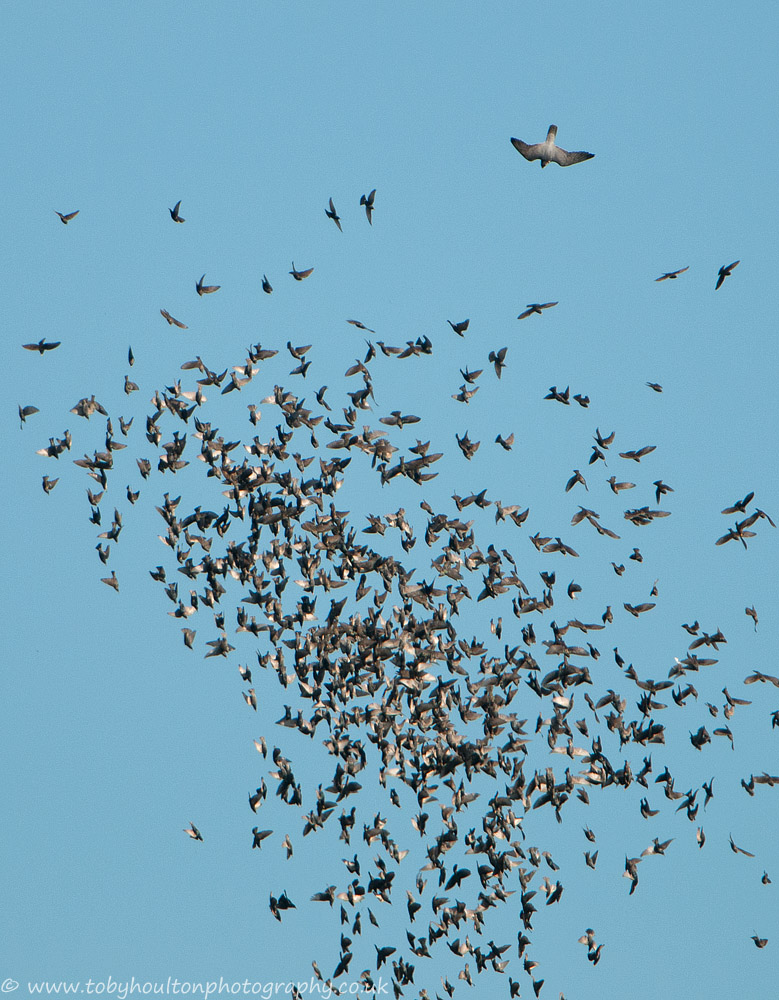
column 66, row 218
column 193, row 832
column 548, row 152
column 536, row 307
column 174, row 213
column 42, row 345
column 725, row 272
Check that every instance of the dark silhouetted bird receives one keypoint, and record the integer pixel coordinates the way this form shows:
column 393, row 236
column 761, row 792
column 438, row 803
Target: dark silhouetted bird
column 724, row 272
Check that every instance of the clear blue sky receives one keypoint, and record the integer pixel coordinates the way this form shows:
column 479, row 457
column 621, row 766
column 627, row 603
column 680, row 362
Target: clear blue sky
column 114, row 735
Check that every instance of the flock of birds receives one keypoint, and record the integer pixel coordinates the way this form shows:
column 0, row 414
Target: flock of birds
column 372, row 653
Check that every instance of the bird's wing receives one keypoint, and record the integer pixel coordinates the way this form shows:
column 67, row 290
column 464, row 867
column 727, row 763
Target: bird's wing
column 529, row 152
column 565, row 159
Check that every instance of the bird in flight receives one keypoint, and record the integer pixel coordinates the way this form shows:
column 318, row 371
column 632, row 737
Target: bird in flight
column 42, row 345
column 172, row 321
column 460, row 327
column 174, row 213
column 206, row 289
column 267, row 287
column 548, row 152
column 332, row 214
column 193, row 832
column 535, row 307
column 65, row 219
column 672, row 274
column 723, row 272
column 25, row 412
column 300, row 275
column 367, row 201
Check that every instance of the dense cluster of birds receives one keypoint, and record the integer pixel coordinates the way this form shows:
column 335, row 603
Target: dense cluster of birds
column 369, row 654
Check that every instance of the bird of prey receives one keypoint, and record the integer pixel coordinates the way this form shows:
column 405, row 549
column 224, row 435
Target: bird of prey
column 367, row 201
column 332, row 214
column 207, row 289
column 174, row 213
column 723, row 272
column 300, row 275
column 548, row 152
column 172, row 321
column 193, row 832
column 267, row 287
column 672, row 274
column 535, row 307
column 65, row 219
column 42, row 345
